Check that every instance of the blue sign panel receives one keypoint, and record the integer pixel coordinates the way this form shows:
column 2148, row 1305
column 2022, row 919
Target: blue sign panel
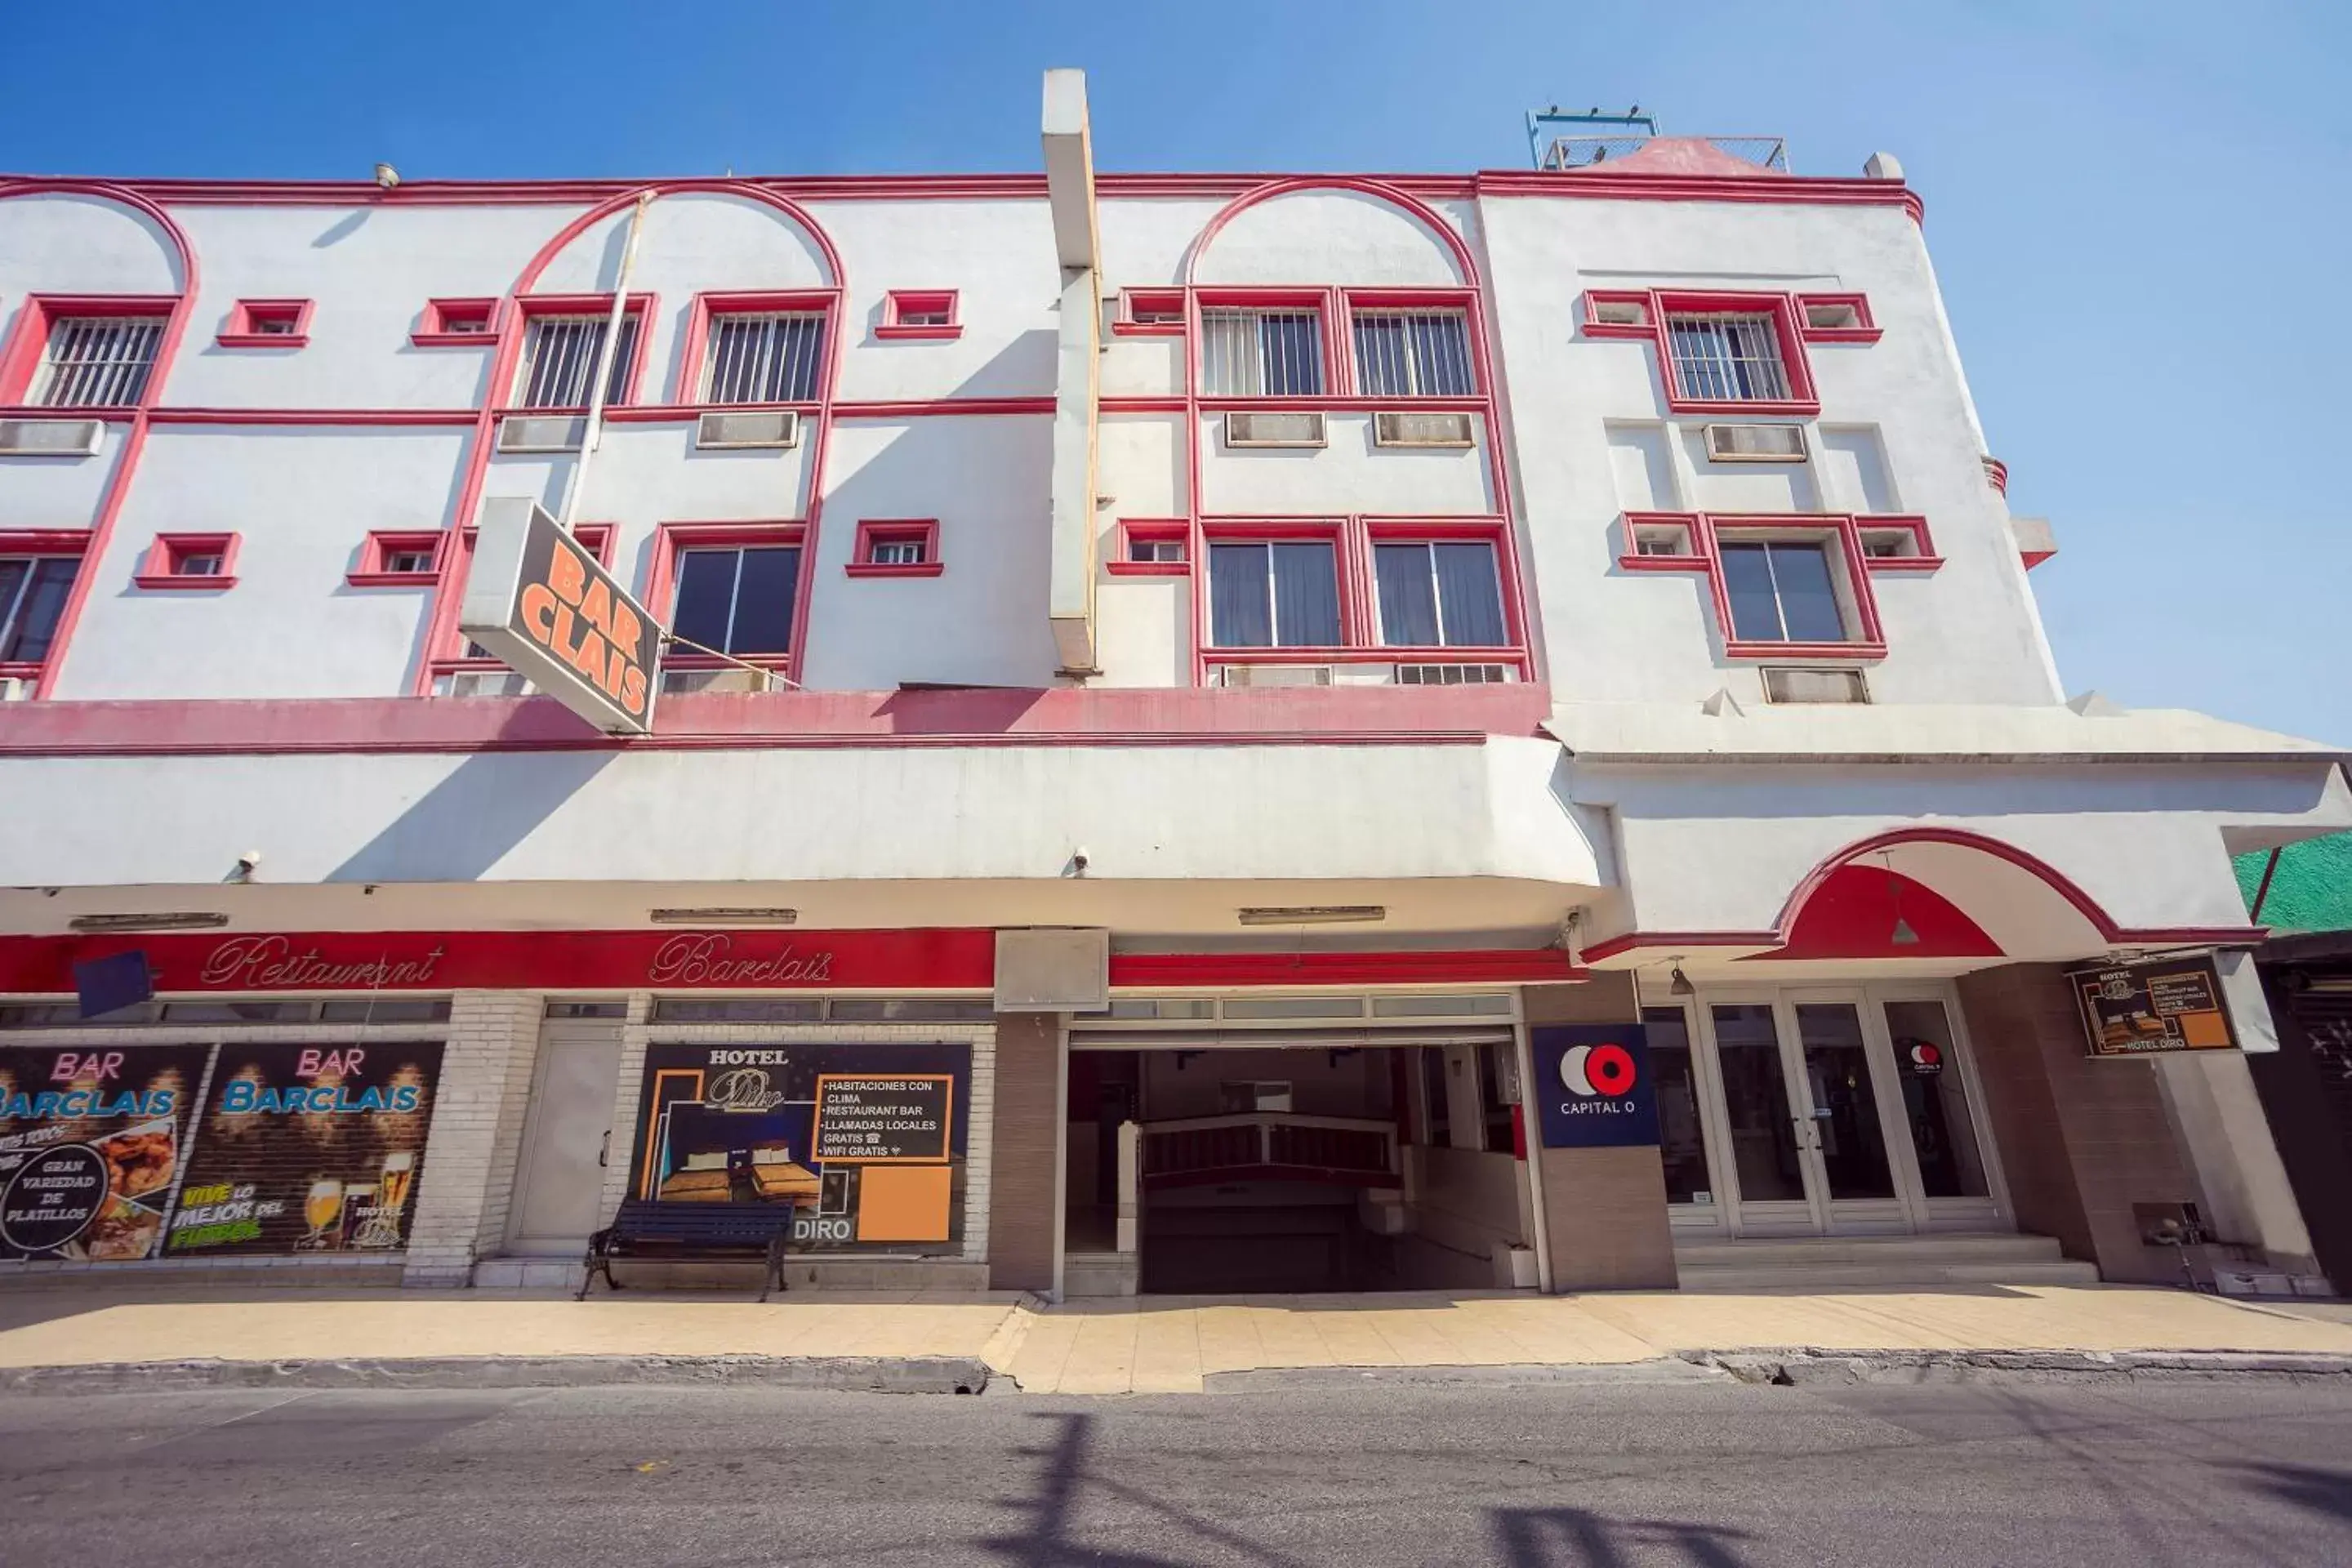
column 110, row 984
column 1592, row 1085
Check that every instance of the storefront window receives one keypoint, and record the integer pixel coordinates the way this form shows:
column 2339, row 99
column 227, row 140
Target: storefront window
column 1680, row 1140
column 1437, row 1122
column 1756, row 1099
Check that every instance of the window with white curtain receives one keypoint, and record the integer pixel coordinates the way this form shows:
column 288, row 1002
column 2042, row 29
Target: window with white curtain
column 97, row 362
column 1261, row 353
column 1279, row 593
column 767, row 356
column 1413, row 353
column 558, row 360
column 1442, row 593
column 1727, row 359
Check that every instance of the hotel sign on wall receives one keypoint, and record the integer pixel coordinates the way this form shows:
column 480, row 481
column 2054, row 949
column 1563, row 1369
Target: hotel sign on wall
column 2132, row 1009
column 540, row 602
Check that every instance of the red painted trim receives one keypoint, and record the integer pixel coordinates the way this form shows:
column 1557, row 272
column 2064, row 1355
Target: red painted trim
column 921, row 407
column 1172, row 404
column 529, row 307
column 672, row 539
column 247, row 318
column 439, row 328
column 1863, row 329
column 159, row 568
column 382, row 543
column 349, row 417
column 688, row 393
column 1131, row 530
column 176, row 327
column 1165, row 303
column 2033, row 558
column 1852, row 914
column 1134, row 971
column 900, row 303
column 1996, row 473
column 940, row 959
column 1558, row 184
column 1644, row 330
column 1288, row 716
column 44, row 541
column 1923, row 557
column 874, row 531
column 20, row 357
column 2109, row 931
column 1665, row 304
column 501, row 375
column 1340, row 357
column 1705, row 531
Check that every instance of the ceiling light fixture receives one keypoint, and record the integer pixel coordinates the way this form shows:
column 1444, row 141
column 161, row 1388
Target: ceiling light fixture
column 1312, row 914
column 1902, row 936
column 1678, row 984
column 164, row 919
column 725, row 915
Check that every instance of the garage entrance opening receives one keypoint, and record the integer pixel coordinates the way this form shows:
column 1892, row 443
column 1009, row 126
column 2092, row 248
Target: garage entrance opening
column 1294, row 1161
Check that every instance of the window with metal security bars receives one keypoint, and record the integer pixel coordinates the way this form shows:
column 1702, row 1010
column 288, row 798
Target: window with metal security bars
column 1261, row 353
column 737, row 601
column 97, row 362
column 1413, row 353
column 763, row 357
column 558, row 360
column 33, row 591
column 1781, row 591
column 1445, row 594
column 1727, row 359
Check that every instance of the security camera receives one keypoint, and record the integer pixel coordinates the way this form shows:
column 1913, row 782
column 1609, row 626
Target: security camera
column 386, row 176
column 244, row 865
column 1079, row 859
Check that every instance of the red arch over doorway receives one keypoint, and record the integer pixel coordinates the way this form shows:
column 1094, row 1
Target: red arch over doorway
column 2110, row 930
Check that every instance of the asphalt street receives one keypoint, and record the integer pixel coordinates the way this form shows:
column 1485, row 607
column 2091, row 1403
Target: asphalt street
column 1712, row 1475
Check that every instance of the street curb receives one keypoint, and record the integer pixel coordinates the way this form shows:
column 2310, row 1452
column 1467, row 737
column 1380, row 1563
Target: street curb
column 1811, row 1366
column 1584, row 1374
column 858, row 1374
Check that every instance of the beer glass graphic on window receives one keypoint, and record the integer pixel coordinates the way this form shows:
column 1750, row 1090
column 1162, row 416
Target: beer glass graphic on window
column 391, row 1186
column 319, row 1208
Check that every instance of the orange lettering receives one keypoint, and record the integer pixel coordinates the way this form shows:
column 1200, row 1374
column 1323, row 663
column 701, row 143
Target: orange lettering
column 565, row 574
column 616, row 672
column 626, row 627
column 633, row 690
column 539, row 612
column 588, row 659
column 596, row 606
column 560, row 638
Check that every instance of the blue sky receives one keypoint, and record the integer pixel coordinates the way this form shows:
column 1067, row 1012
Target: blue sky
column 2136, row 210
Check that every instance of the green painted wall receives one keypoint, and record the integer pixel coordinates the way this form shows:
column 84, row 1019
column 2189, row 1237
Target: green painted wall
column 2313, row 888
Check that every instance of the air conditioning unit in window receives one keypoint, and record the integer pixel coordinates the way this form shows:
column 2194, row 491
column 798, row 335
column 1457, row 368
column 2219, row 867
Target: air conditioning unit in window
column 15, row 689
column 542, row 433
column 1422, row 429
column 1453, row 674
column 758, row 427
column 1756, row 443
column 675, row 682
column 1272, row 427
column 1815, row 686
column 481, row 683
column 1273, row 675
column 51, row 437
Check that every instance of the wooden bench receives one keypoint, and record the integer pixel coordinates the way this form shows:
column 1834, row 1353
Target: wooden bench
column 692, row 1233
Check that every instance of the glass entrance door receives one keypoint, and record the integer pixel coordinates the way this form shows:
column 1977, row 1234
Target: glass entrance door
column 1807, row 1109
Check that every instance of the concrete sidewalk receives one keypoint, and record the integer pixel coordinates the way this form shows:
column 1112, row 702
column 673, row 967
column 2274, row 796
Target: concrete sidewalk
column 1156, row 1344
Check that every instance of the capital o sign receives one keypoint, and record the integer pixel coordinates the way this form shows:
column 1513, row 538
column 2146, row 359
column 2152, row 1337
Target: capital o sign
column 1594, row 1085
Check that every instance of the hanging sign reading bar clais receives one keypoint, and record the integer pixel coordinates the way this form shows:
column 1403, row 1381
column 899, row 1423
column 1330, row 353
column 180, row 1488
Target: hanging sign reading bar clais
column 542, row 603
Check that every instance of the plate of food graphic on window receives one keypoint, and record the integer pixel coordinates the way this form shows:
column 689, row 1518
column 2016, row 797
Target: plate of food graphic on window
column 309, row 1149
column 91, row 1142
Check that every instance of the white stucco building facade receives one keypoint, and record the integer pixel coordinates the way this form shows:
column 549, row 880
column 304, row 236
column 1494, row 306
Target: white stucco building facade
column 1403, row 615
